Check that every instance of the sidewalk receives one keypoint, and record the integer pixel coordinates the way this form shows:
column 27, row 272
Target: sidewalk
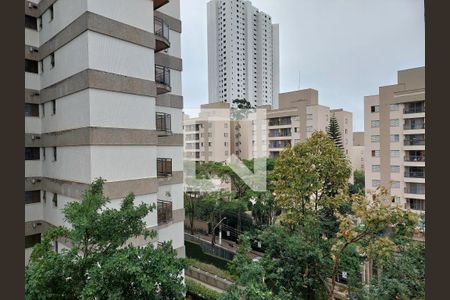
column 228, row 245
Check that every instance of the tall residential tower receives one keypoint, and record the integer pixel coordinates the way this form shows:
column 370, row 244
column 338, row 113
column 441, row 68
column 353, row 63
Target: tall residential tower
column 243, row 53
column 103, row 99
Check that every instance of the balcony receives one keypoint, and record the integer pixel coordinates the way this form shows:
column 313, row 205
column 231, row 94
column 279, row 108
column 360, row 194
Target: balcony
column 414, row 107
column 415, row 158
column 415, row 174
column 158, row 3
column 162, row 79
column 413, row 124
column 163, row 124
column 164, row 167
column 415, row 188
column 414, row 140
column 280, row 121
column 164, row 209
column 280, row 144
column 284, row 132
column 162, row 41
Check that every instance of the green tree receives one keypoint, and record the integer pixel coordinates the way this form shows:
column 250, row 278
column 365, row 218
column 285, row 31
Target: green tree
column 102, row 263
column 367, row 226
column 334, row 132
column 358, row 182
column 402, row 275
column 308, row 176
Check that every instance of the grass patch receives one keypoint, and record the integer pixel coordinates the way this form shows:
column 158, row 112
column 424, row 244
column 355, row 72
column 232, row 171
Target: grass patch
column 198, row 289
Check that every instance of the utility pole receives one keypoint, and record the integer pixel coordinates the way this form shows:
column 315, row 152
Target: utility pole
column 213, row 240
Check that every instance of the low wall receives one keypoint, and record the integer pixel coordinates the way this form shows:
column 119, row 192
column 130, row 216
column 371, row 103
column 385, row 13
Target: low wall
column 210, row 279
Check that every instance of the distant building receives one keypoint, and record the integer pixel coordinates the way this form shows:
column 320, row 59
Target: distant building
column 358, row 151
column 243, row 53
column 394, row 140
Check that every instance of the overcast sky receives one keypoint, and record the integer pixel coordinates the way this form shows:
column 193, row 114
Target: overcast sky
column 345, row 49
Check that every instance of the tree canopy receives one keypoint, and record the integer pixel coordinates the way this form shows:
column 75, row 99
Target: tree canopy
column 334, row 132
column 101, row 262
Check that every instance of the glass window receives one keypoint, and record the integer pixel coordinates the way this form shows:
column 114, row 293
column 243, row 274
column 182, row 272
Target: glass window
column 31, row 110
column 395, row 184
column 395, row 169
column 375, row 123
column 375, row 138
column 393, row 107
column 394, row 122
column 375, row 108
column 375, row 168
column 395, row 153
column 395, row 138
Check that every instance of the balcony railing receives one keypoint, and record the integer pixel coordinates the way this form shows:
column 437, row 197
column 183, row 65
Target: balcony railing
column 162, row 79
column 414, row 126
column 164, row 167
column 414, row 158
column 415, row 190
column 414, row 142
column 161, row 34
column 413, row 108
column 163, row 122
column 280, row 121
column 279, row 132
column 415, row 174
column 164, row 211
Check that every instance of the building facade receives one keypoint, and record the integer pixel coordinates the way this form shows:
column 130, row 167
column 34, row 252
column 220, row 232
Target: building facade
column 358, row 151
column 103, row 99
column 243, row 53
column 298, row 116
column 394, row 126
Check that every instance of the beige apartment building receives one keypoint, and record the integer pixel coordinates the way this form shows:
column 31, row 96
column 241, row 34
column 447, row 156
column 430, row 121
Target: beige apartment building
column 298, row 116
column 394, row 139
column 264, row 133
column 358, row 151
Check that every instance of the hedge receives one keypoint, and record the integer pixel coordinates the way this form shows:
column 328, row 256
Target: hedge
column 200, row 290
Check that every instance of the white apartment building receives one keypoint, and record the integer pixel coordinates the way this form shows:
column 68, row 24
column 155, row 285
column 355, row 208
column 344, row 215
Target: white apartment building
column 243, row 53
column 394, row 126
column 103, row 99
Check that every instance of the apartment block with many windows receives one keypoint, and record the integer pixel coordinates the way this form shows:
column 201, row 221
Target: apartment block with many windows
column 243, row 53
column 103, row 99
column 394, row 139
column 298, row 116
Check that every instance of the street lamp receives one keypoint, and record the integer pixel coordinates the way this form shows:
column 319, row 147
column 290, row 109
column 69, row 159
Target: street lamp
column 213, row 240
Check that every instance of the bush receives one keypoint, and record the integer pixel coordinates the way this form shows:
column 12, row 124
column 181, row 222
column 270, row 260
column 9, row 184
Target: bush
column 200, row 290
column 211, row 269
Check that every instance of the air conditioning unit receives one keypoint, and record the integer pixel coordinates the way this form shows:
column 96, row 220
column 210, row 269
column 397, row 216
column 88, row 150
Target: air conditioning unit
column 33, row 49
column 32, row 5
column 35, row 137
column 33, row 181
column 36, row 94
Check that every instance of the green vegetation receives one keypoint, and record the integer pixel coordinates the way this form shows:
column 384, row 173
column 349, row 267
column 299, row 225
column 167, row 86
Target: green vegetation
column 334, row 132
column 198, row 289
column 358, row 183
column 324, row 232
column 101, row 264
column 211, row 269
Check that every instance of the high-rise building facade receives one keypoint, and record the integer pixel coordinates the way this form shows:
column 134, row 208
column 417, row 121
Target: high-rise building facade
column 358, row 151
column 243, row 53
column 394, row 126
column 103, row 99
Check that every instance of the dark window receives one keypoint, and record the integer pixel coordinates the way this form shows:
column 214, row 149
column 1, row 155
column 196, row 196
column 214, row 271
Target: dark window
column 32, row 197
column 53, row 107
column 162, row 75
column 52, row 15
column 164, row 211
column 32, row 153
column 31, row 240
column 43, row 153
column 52, row 59
column 55, row 200
column 163, row 121
column 44, row 196
column 43, row 109
column 55, row 157
column 31, row 66
column 31, row 110
column 42, row 65
column 30, row 22
column 164, row 167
